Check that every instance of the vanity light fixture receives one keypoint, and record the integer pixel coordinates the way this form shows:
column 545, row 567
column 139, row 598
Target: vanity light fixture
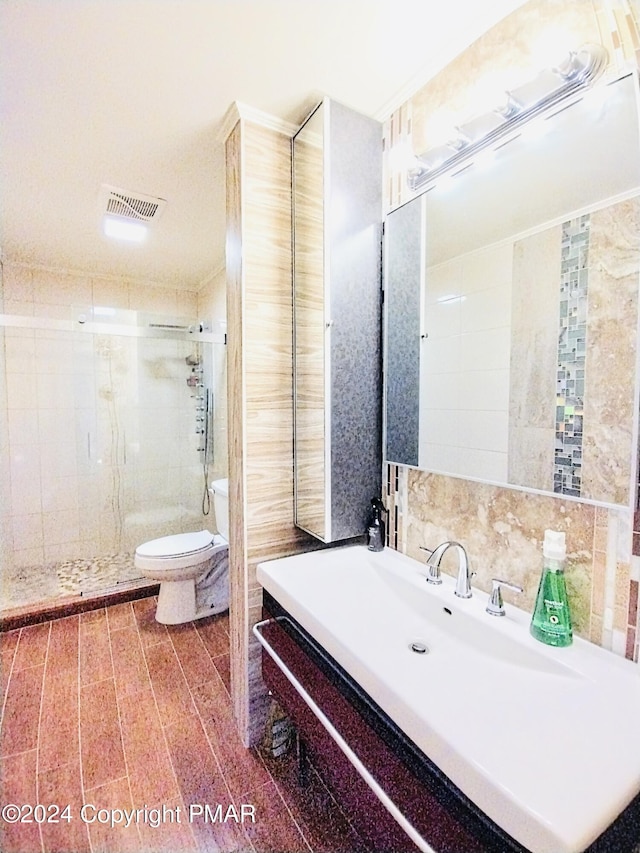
column 576, row 72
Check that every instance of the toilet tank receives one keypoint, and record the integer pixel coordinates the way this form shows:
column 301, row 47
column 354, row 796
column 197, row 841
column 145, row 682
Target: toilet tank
column 220, row 492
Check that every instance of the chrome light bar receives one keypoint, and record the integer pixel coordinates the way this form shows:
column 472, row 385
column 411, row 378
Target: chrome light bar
column 578, row 71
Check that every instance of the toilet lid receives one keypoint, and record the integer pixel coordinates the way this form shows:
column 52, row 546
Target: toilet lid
column 176, row 545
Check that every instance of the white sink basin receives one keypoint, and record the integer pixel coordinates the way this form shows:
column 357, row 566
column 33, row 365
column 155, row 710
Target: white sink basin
column 545, row 741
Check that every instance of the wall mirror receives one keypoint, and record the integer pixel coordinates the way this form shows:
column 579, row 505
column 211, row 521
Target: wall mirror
column 511, row 293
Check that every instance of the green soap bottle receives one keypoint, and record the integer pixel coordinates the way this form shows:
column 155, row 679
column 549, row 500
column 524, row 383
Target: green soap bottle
column 551, row 622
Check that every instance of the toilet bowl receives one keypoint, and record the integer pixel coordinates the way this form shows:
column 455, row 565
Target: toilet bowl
column 192, row 568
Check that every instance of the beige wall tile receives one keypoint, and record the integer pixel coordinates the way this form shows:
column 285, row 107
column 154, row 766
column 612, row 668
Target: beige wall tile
column 502, row 530
column 614, row 268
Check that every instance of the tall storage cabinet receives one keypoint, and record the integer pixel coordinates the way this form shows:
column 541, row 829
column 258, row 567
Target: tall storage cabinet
column 337, row 320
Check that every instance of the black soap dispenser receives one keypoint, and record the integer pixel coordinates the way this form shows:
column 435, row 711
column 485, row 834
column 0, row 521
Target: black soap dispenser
column 376, row 526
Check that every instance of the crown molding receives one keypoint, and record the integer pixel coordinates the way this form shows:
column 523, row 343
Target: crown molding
column 239, row 111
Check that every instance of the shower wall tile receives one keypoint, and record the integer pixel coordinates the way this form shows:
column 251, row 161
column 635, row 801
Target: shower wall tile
column 60, row 288
column 486, row 308
column 61, row 526
column 467, row 319
column 27, row 558
column 20, row 391
column 492, row 394
column 534, row 347
column 59, row 493
column 58, row 459
column 17, row 284
column 89, row 526
column 25, row 478
column 51, row 312
column 486, row 349
column 27, row 531
column 110, row 293
column 24, row 309
column 55, row 392
column 89, row 497
column 444, row 280
column 22, row 426
column 158, row 300
column 55, row 355
column 20, row 352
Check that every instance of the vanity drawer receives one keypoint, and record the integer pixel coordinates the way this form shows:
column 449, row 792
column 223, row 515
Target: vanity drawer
column 444, row 822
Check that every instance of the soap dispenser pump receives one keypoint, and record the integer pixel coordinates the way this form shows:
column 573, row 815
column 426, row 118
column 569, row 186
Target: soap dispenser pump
column 551, row 622
column 376, row 526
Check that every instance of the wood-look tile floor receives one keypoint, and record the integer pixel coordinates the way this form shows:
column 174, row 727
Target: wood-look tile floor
column 109, row 710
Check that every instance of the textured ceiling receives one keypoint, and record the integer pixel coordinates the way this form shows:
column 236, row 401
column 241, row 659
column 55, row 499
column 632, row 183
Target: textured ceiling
column 132, row 93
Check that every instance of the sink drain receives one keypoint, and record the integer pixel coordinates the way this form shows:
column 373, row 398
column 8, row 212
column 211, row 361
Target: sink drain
column 419, row 648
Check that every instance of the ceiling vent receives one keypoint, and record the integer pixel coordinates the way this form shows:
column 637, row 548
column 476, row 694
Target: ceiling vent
column 128, row 205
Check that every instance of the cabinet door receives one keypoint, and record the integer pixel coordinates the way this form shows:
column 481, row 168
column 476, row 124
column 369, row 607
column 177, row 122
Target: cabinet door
column 309, row 326
column 403, row 270
column 337, row 158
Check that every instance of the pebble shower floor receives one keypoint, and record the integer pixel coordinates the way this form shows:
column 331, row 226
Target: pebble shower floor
column 33, row 584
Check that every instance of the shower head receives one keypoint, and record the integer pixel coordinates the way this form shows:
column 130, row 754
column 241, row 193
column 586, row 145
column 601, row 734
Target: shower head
column 192, row 360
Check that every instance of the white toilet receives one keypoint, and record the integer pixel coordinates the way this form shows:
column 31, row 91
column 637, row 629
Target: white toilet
column 192, row 568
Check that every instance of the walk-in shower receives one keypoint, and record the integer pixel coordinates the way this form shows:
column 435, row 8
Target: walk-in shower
column 112, row 421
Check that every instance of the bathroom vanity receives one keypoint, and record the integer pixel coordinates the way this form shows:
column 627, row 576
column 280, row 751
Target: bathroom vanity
column 440, row 727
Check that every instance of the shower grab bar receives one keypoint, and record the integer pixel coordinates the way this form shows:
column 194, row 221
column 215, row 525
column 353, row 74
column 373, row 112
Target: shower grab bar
column 353, row 759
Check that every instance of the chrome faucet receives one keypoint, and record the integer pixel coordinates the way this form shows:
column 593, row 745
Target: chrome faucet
column 463, row 582
column 495, row 605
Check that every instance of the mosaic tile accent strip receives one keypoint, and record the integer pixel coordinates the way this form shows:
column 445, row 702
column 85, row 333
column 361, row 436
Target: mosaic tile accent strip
column 572, row 347
column 391, row 502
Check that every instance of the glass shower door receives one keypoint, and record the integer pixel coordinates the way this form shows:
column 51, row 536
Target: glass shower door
column 111, row 424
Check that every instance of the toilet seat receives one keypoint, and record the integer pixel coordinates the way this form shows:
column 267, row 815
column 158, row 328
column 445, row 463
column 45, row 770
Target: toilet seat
column 179, row 551
column 179, row 544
